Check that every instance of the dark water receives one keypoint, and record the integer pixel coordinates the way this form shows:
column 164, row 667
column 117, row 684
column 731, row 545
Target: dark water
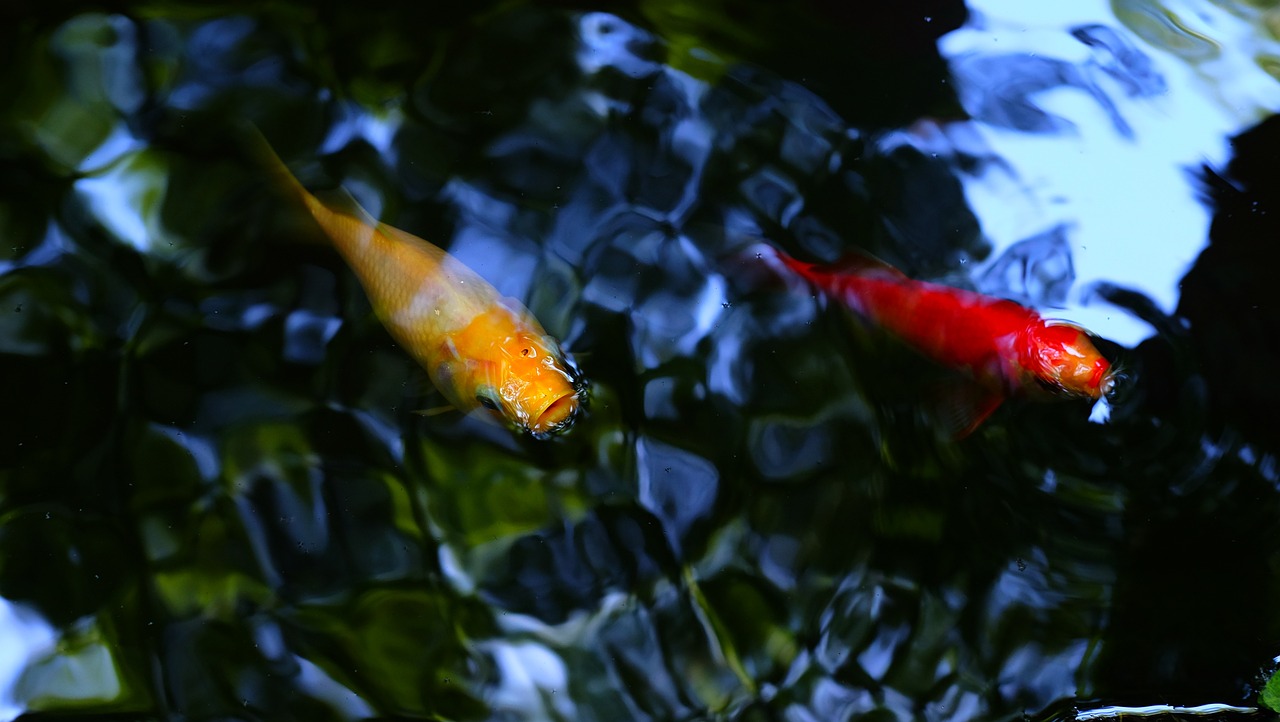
column 216, row 502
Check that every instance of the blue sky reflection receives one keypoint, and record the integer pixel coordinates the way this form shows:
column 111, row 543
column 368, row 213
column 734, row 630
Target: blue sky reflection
column 1129, row 205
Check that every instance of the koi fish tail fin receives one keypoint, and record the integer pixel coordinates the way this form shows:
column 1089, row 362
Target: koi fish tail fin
column 265, row 155
column 285, row 182
column 759, row 265
column 755, row 253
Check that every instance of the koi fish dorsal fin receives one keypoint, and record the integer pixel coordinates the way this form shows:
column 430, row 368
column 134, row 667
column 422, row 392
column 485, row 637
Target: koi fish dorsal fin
column 859, row 261
column 757, row 265
column 855, row 261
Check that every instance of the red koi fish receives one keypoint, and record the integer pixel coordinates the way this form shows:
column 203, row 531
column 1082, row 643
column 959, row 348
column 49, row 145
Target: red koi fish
column 1006, row 348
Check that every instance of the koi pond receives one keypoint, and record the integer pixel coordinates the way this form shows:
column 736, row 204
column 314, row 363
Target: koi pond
column 219, row 498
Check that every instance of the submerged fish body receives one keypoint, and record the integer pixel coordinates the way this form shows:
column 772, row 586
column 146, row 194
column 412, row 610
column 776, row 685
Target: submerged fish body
column 481, row 350
column 1005, row 347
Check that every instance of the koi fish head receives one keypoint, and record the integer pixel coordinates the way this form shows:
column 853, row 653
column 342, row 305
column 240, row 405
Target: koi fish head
column 534, row 385
column 505, row 363
column 1061, row 357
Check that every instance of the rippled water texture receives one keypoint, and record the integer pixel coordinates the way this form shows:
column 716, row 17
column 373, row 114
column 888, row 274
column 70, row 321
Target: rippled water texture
column 216, row 501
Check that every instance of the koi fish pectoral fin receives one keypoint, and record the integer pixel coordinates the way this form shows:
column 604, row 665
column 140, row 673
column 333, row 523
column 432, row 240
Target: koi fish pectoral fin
column 427, row 393
column 963, row 407
column 979, row 414
column 433, row 411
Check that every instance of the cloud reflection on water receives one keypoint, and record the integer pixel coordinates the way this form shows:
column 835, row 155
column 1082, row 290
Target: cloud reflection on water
column 1109, row 163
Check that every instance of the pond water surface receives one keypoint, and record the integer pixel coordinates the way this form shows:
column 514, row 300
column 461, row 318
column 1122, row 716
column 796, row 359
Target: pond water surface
column 217, row 502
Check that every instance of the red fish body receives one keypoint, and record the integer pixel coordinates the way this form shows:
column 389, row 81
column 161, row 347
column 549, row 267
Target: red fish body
column 1006, row 348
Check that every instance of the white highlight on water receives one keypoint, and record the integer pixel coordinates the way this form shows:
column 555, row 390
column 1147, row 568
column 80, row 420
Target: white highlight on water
column 1136, row 220
column 1105, row 713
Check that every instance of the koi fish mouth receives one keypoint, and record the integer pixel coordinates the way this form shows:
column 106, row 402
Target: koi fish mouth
column 558, row 416
column 1103, row 379
column 1107, row 385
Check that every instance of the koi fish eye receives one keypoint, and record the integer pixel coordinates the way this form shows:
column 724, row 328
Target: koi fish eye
column 487, row 401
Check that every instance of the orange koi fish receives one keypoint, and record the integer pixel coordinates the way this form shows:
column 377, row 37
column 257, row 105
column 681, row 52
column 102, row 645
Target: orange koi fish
column 1007, row 348
column 479, row 348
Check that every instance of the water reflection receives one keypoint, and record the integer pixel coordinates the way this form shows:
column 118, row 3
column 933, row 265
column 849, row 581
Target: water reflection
column 25, row 636
column 758, row 518
column 1133, row 220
